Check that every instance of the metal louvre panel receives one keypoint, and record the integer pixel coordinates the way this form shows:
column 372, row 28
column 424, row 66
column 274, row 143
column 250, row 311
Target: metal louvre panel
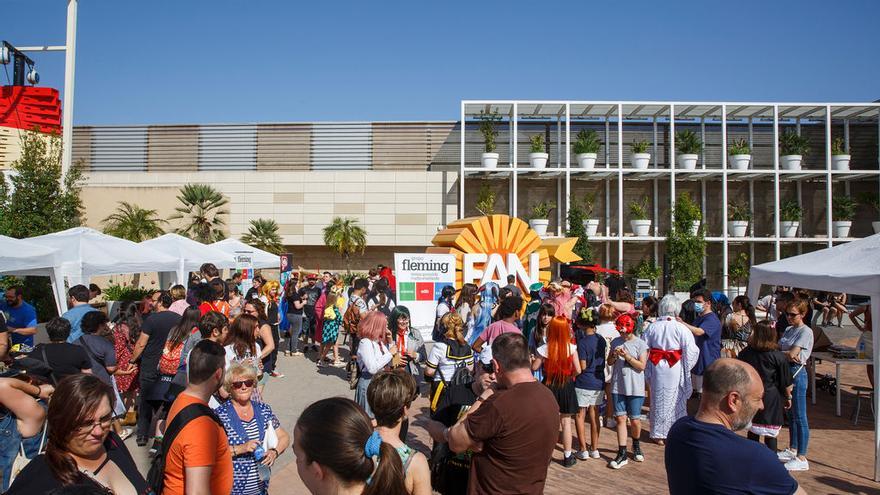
column 172, row 148
column 118, row 149
column 407, row 145
column 228, row 147
column 82, row 147
column 283, row 146
column 342, row 146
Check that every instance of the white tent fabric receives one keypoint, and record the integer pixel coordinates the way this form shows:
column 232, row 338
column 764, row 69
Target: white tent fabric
column 85, row 252
column 18, row 257
column 259, row 258
column 853, row 268
column 190, row 254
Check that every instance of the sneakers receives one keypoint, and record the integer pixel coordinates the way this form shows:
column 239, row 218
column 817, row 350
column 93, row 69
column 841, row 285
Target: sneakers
column 619, row 461
column 275, row 374
column 637, row 454
column 797, row 465
column 785, row 455
column 156, row 447
column 338, row 364
column 569, row 461
column 582, row 455
column 141, row 441
column 126, row 432
column 296, row 353
column 595, row 454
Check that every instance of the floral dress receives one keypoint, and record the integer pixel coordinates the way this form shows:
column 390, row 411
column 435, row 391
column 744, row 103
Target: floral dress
column 125, row 383
column 331, row 325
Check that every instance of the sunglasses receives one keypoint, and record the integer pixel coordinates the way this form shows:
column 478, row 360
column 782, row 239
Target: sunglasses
column 793, row 314
column 243, row 384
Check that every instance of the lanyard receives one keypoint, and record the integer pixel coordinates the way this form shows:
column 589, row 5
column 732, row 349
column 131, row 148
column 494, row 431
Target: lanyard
column 238, row 427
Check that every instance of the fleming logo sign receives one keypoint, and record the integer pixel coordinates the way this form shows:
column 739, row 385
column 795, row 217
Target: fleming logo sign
column 488, row 249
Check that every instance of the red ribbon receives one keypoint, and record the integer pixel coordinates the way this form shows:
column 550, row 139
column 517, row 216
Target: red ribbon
column 671, row 357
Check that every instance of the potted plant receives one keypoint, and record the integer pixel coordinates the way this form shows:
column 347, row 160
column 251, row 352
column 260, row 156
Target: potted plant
column 591, row 225
column 116, row 294
column 486, row 200
column 839, row 157
column 647, row 269
column 539, row 218
column 688, row 211
column 792, row 149
column 843, row 210
column 639, row 218
column 872, row 200
column 689, row 146
column 586, row 148
column 738, row 215
column 738, row 274
column 489, row 159
column 537, row 156
column 790, row 215
column 739, row 154
column 640, row 156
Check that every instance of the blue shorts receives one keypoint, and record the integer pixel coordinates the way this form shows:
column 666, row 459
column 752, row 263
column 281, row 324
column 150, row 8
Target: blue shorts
column 628, row 405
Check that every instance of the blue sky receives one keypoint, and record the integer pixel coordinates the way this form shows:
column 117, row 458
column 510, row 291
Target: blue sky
column 201, row 61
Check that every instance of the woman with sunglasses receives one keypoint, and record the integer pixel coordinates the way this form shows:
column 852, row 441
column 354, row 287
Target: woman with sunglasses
column 797, row 344
column 81, row 449
column 249, row 426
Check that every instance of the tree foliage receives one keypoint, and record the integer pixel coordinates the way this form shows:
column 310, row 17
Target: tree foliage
column 576, row 216
column 134, row 223
column 685, row 250
column 263, row 234
column 345, row 237
column 201, row 213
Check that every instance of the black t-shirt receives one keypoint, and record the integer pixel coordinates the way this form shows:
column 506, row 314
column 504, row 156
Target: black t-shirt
column 310, row 294
column 272, row 313
column 157, row 326
column 709, row 458
column 64, row 359
column 291, row 308
column 37, row 477
column 456, row 466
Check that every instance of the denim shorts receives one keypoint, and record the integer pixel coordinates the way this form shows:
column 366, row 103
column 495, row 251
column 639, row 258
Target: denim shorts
column 630, row 405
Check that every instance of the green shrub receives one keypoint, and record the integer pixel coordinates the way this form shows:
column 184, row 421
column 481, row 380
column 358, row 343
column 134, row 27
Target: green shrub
column 688, row 143
column 792, row 144
column 638, row 210
column 487, row 129
column 640, row 146
column 843, row 209
column 541, row 210
column 646, row 269
column 486, row 200
column 739, row 211
column 738, row 147
column 116, row 292
column 738, row 269
column 790, row 211
column 536, row 143
column 587, row 142
column 837, row 147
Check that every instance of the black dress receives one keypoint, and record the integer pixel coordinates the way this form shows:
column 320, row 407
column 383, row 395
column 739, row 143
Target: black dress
column 773, row 368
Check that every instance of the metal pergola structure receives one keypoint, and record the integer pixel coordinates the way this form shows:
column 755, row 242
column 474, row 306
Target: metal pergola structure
column 616, row 114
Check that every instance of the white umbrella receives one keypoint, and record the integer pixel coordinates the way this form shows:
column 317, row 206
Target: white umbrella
column 189, row 253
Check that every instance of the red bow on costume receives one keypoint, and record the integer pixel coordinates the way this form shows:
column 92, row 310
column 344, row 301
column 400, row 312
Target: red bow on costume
column 671, row 357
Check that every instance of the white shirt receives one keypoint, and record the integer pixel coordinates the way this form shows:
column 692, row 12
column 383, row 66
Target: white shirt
column 372, row 356
column 231, row 356
column 440, row 360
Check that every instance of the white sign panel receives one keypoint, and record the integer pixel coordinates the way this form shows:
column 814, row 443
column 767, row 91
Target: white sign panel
column 420, row 279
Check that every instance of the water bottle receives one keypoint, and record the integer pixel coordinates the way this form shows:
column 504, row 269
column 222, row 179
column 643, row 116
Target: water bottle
column 860, row 352
column 264, row 472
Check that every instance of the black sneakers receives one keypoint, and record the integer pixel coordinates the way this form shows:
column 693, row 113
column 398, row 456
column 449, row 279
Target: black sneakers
column 569, row 461
column 620, row 460
column 637, row 454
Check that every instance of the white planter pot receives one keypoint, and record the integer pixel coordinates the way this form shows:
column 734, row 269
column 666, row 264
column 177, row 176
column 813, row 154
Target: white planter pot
column 789, row 229
column 734, row 291
column 591, row 225
column 737, row 228
column 840, row 228
column 687, row 161
column 740, row 162
column 640, row 160
column 876, row 226
column 791, row 162
column 695, row 227
column 539, row 225
column 640, row 228
column 538, row 160
column 586, row 160
column 840, row 162
column 489, row 160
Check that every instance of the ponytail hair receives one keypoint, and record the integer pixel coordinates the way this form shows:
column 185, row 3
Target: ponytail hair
column 335, row 433
column 746, row 305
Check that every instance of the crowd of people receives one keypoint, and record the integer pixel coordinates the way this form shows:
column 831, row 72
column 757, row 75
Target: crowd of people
column 510, row 374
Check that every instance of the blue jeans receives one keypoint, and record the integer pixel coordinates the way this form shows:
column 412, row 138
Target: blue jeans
column 799, row 429
column 628, row 405
column 296, row 327
column 10, row 439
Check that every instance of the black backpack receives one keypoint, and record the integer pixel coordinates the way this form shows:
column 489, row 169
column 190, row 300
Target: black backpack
column 453, row 389
column 156, row 475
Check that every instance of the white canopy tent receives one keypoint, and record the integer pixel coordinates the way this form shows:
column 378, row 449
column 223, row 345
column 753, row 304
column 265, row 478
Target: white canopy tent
column 85, row 252
column 190, row 254
column 234, row 248
column 853, row 268
column 23, row 258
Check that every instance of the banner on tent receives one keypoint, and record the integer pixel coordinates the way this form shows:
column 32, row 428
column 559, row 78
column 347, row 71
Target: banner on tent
column 244, row 263
column 420, row 278
column 286, row 268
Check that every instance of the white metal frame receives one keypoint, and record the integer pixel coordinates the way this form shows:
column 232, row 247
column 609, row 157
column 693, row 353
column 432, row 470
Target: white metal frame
column 721, row 112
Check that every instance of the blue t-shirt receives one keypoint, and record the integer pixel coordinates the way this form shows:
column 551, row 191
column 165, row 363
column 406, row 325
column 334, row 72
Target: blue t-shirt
column 710, row 459
column 709, row 343
column 24, row 316
column 74, row 315
column 591, row 348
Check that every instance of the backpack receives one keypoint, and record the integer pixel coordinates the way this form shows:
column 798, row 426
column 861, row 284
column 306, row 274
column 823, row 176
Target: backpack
column 156, row 474
column 453, row 390
column 169, row 361
column 351, row 318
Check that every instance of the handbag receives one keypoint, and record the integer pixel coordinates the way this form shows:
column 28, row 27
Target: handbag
column 21, row 460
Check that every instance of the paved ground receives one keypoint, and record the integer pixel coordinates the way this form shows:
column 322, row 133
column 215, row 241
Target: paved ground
column 841, row 454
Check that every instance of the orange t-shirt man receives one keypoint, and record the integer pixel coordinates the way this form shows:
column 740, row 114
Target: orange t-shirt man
column 202, row 442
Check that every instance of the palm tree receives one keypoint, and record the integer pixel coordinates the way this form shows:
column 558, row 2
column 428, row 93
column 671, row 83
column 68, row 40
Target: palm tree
column 134, row 223
column 201, row 213
column 346, row 237
column 263, row 234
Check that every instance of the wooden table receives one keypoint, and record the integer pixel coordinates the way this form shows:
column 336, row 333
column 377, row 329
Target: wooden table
column 838, row 362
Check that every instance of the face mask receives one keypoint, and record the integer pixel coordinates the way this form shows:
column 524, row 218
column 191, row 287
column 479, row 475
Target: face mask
column 698, row 307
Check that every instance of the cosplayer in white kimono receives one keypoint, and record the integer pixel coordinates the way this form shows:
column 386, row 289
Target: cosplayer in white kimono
column 672, row 353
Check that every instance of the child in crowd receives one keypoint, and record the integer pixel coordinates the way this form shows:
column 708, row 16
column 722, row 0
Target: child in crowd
column 590, row 384
column 628, row 357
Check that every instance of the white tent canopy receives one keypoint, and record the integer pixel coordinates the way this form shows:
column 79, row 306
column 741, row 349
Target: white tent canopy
column 84, row 253
column 190, row 254
column 234, row 247
column 853, row 268
column 18, row 257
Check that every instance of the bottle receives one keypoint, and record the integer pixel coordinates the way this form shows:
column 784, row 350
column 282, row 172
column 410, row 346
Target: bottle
column 264, row 472
column 860, row 353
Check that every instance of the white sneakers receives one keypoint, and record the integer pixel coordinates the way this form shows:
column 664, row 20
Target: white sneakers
column 797, row 465
column 583, row 455
column 786, row 455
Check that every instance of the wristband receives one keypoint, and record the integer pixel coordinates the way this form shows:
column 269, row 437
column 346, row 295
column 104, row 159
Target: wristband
column 273, row 449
